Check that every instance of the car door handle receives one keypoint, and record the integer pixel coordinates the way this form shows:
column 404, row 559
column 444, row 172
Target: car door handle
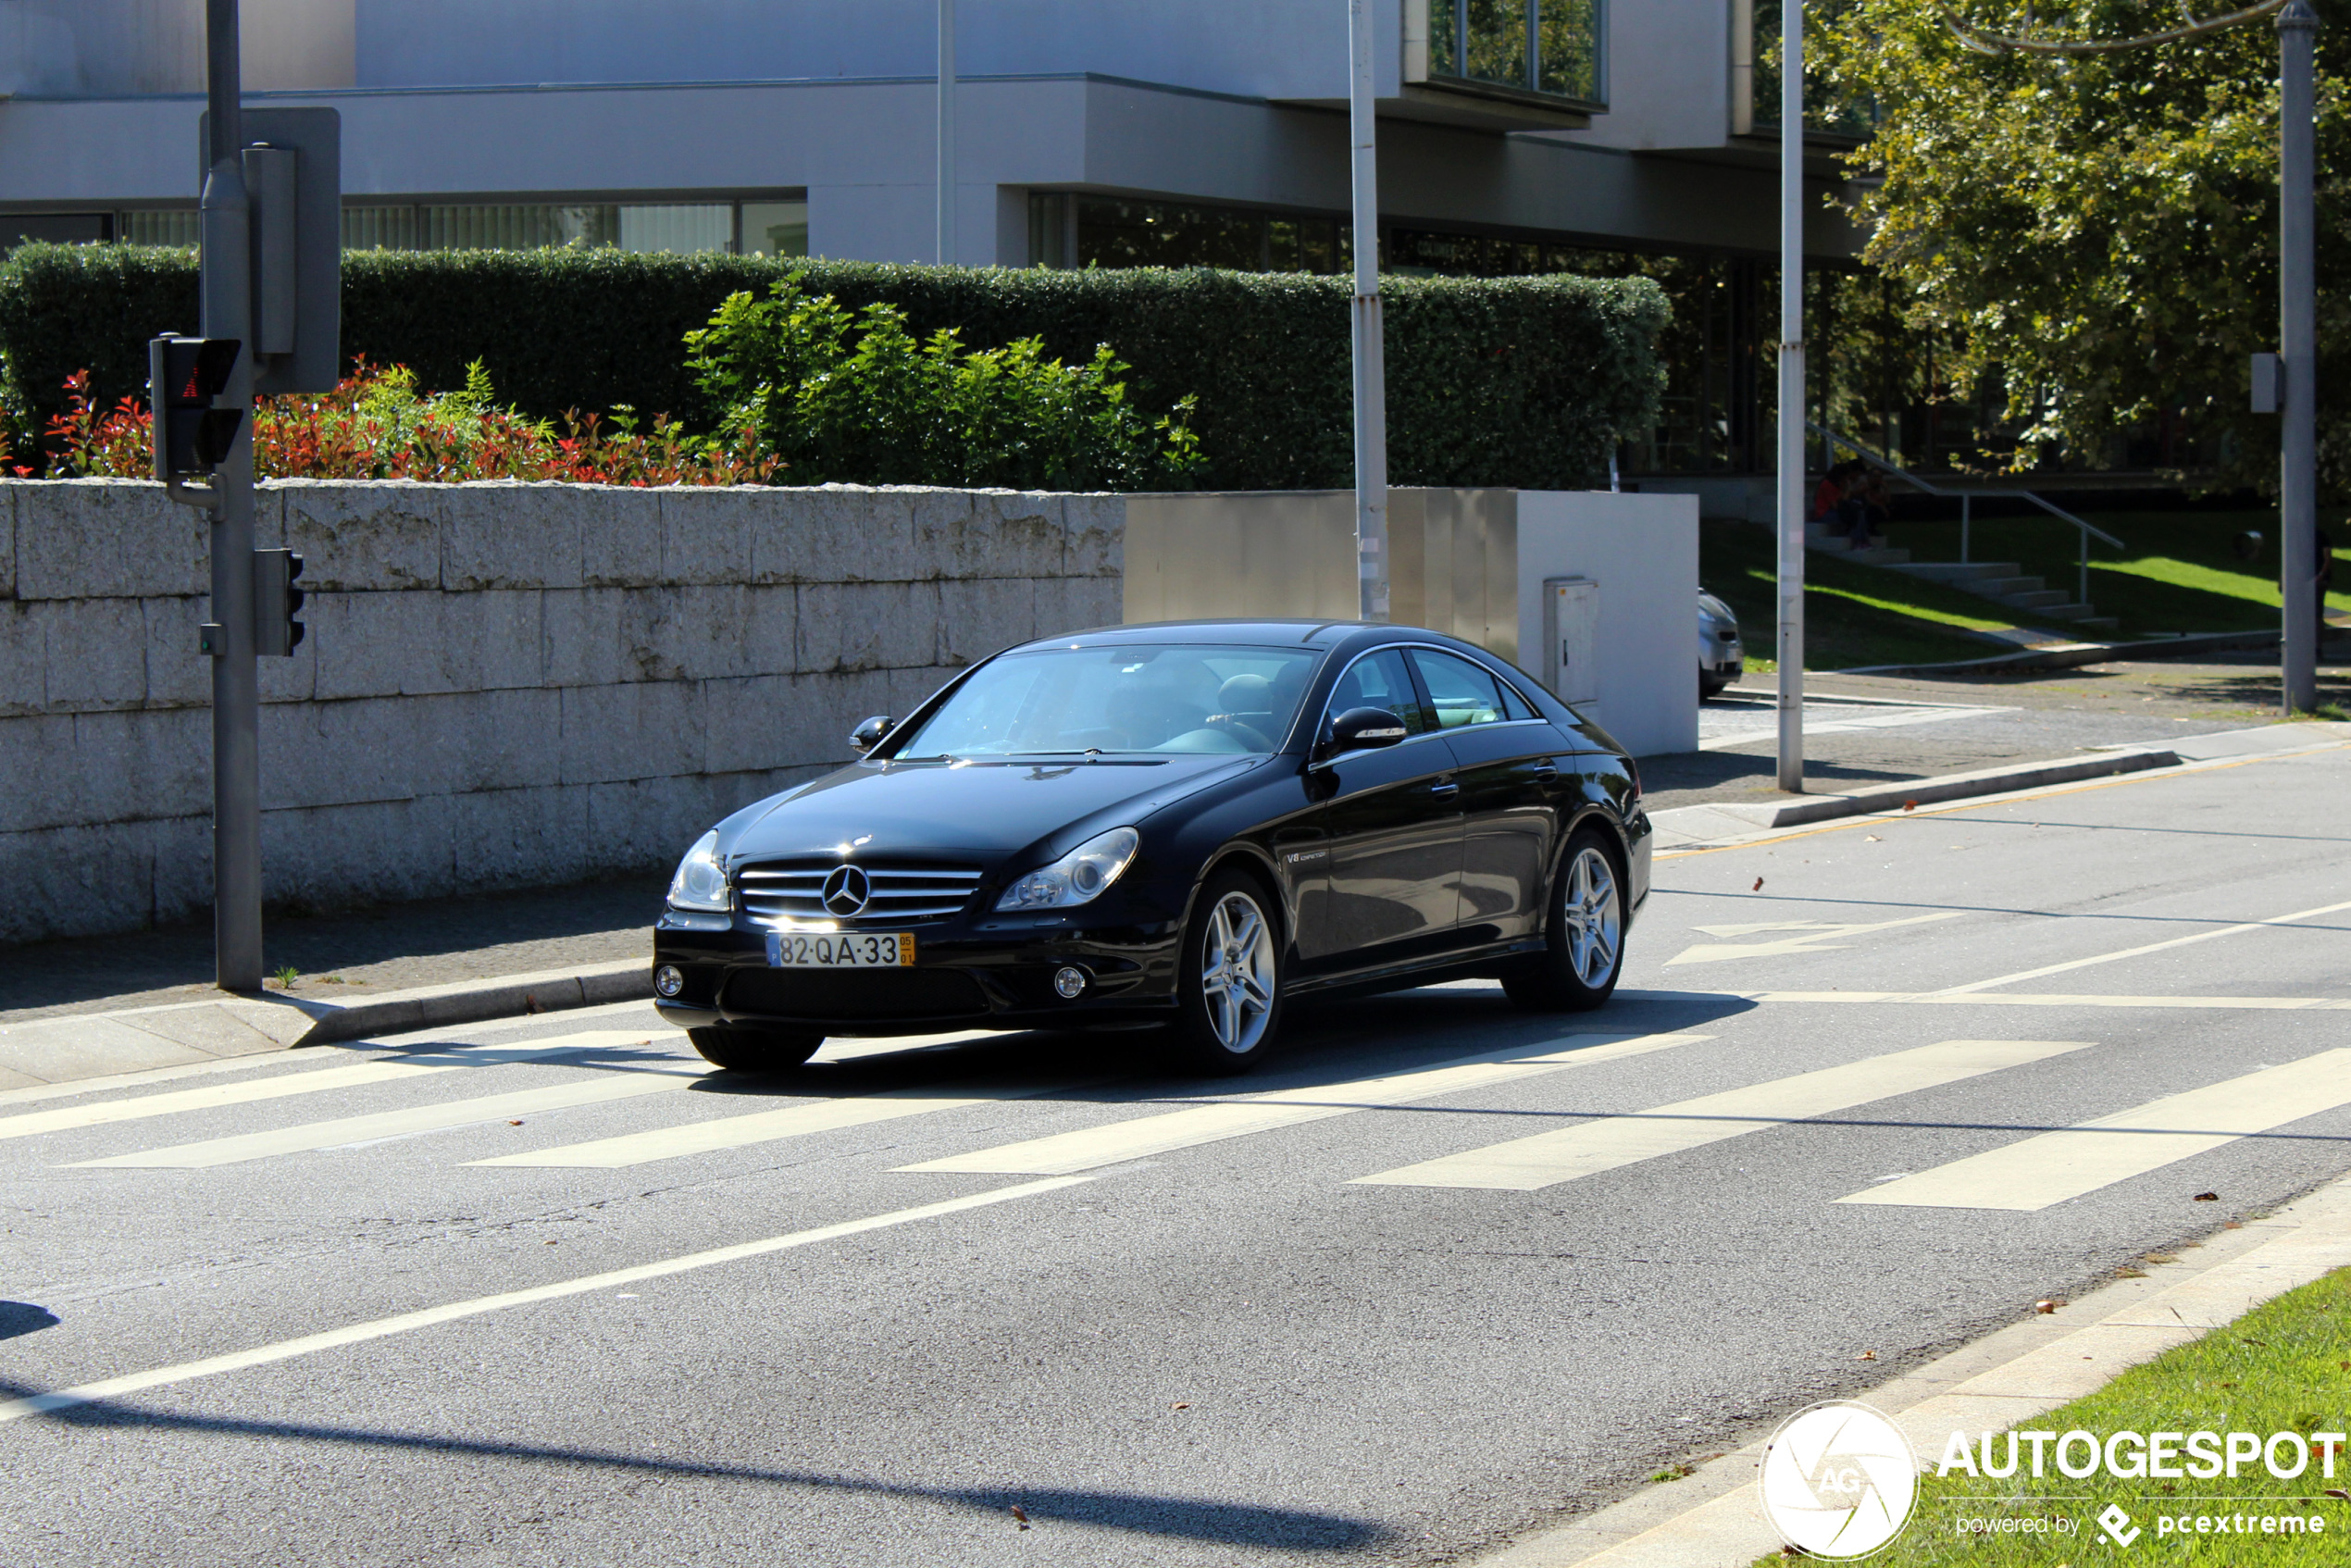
column 1445, row 791
column 1547, row 770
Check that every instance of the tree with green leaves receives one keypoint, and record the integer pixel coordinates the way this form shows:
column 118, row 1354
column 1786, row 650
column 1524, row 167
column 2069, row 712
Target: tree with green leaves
column 2099, row 231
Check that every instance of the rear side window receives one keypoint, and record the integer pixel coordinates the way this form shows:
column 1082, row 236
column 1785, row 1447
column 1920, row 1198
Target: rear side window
column 1378, row 680
column 1465, row 694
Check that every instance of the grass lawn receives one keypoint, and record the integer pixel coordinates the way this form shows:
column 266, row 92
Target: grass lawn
column 2175, row 572
column 2283, row 1367
column 1853, row 614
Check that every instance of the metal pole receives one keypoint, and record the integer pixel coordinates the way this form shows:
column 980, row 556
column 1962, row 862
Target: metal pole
column 1791, row 456
column 236, row 686
column 946, row 133
column 2298, row 332
column 2082, row 596
column 1371, row 381
column 1967, row 504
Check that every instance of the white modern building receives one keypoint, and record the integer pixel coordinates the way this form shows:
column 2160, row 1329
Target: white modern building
column 1516, row 136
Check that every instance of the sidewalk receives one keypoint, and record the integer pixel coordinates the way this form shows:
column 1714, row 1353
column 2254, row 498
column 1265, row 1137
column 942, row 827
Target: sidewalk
column 1866, row 730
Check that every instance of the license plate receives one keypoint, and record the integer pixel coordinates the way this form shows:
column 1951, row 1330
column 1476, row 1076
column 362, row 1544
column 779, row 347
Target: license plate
column 840, row 949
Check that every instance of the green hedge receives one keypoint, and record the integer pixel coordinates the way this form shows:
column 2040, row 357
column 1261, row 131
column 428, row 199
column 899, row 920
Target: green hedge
column 1519, row 382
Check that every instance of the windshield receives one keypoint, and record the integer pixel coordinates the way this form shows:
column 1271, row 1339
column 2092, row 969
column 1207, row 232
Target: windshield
column 1071, row 700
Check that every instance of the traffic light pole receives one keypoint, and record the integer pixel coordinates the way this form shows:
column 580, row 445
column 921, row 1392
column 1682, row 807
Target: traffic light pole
column 236, row 680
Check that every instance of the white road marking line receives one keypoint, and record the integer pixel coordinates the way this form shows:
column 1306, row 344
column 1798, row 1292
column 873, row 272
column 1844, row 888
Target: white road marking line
column 764, row 1126
column 2136, row 952
column 2055, row 1167
column 1896, row 720
column 1145, row 1136
column 1546, row 1159
column 305, row 1081
column 381, row 1125
column 1814, row 937
column 358, row 1333
column 2029, row 999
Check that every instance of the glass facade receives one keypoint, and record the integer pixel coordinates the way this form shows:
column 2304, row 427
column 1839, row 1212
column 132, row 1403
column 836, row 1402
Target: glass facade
column 1553, row 48
column 1077, row 231
column 1825, row 113
column 764, row 227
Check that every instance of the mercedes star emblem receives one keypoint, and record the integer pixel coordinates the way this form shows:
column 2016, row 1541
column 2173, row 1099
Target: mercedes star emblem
column 846, row 892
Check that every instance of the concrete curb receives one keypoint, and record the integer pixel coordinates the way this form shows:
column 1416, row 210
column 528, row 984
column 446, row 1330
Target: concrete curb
column 1709, row 822
column 93, row 1045
column 1712, row 1518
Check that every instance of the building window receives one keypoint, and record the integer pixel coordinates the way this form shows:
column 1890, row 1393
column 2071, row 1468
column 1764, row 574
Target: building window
column 1071, row 231
column 168, row 226
column 774, row 228
column 1553, row 48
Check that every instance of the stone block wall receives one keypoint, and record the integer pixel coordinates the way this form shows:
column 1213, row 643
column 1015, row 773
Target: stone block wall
column 504, row 685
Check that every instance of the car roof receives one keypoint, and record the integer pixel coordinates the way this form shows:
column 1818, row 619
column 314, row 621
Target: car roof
column 1260, row 633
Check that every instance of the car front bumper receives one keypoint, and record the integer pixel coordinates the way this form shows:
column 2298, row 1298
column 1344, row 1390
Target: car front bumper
column 994, row 972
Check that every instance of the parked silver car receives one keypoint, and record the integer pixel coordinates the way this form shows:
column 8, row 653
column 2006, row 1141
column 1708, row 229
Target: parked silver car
column 1719, row 655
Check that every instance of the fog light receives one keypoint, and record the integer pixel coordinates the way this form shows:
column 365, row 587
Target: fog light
column 1067, row 983
column 668, row 980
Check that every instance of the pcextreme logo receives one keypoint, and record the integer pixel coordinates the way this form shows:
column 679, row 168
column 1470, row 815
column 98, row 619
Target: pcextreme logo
column 1839, row 1480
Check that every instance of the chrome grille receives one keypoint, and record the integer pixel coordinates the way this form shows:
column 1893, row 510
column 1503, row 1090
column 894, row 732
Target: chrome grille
column 794, row 891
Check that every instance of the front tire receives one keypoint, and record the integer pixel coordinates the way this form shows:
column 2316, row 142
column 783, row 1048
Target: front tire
column 1583, row 934
column 1229, row 977
column 754, row 1050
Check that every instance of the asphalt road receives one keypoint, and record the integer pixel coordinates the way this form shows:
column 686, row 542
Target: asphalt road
column 1185, row 1331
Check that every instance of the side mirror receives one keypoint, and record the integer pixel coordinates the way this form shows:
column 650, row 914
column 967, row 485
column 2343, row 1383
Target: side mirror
column 868, row 735
column 1363, row 730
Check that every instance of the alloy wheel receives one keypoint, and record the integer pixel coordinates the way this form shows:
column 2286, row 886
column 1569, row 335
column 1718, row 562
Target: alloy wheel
column 1595, row 919
column 1237, row 973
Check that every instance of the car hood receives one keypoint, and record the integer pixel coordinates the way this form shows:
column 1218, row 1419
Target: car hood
column 972, row 809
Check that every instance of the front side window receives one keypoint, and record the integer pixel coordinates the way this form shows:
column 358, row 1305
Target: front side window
column 1166, row 698
column 1378, row 680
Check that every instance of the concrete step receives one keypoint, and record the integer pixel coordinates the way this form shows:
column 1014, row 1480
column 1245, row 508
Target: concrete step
column 2077, row 614
column 2097, row 623
column 1960, row 574
column 2001, row 586
column 2043, row 599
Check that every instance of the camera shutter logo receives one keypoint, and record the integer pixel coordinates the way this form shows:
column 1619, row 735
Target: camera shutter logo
column 1840, row 1480
column 846, row 892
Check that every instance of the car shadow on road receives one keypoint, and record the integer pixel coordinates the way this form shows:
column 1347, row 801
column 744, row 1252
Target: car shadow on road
column 23, row 1317
column 1143, row 1513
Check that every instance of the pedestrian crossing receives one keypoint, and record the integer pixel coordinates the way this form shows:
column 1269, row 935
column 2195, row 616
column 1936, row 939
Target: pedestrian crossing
column 1547, row 1159
column 1091, row 1148
column 764, row 1126
column 2032, row 1171
column 2055, row 1167
column 314, row 1080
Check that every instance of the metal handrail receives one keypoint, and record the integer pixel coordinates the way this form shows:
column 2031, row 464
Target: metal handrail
column 1967, row 497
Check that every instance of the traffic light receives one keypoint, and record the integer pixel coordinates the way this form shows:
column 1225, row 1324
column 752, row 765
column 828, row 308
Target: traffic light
column 184, row 375
column 275, row 601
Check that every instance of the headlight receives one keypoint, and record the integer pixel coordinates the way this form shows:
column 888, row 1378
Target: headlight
column 701, row 882
column 1078, row 877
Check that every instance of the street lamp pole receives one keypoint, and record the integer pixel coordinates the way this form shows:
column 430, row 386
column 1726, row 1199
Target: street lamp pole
column 2297, row 332
column 1371, row 380
column 1791, row 432
column 946, row 133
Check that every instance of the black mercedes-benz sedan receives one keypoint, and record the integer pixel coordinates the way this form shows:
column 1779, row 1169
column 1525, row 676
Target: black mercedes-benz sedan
column 1182, row 826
